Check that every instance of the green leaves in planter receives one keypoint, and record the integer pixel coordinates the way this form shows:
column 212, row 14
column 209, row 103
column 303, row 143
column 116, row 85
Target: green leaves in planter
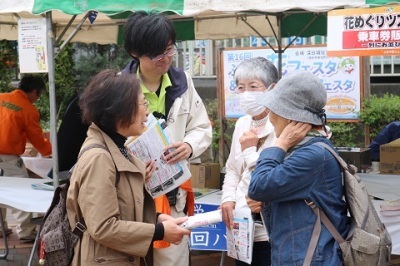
column 346, row 134
column 226, row 129
column 377, row 112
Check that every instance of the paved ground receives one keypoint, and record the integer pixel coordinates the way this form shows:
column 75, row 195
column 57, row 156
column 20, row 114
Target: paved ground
column 19, row 253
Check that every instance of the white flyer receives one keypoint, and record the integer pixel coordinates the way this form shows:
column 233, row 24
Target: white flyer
column 239, row 240
column 203, row 219
column 151, row 146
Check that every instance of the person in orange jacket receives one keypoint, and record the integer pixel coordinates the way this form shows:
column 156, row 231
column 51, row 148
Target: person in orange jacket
column 19, row 121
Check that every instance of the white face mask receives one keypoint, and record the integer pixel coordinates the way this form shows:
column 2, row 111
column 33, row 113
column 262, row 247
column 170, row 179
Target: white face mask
column 248, row 102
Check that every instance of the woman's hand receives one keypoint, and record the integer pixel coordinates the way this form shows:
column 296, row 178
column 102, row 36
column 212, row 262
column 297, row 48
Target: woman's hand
column 227, row 213
column 255, row 206
column 173, row 232
column 248, row 139
column 150, row 167
column 164, row 217
column 292, row 135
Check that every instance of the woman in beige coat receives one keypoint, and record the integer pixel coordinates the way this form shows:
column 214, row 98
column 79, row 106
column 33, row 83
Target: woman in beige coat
column 107, row 185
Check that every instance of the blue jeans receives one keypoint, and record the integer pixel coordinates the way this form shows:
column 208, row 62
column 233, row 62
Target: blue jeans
column 261, row 255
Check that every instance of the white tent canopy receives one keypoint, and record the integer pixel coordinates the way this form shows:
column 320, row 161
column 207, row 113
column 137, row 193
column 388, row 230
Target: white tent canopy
column 214, row 19
column 103, row 31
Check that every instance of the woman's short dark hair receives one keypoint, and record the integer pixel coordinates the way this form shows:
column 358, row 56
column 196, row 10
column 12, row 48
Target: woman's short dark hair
column 110, row 98
column 148, row 34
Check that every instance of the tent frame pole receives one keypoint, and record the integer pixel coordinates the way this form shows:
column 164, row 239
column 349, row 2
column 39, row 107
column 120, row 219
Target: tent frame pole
column 278, row 36
column 51, row 47
column 52, row 96
column 58, row 40
column 73, row 33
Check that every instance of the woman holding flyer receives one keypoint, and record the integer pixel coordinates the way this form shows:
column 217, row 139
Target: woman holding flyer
column 253, row 77
column 107, row 184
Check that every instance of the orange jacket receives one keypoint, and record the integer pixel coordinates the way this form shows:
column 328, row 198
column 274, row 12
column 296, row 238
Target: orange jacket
column 19, row 122
column 162, row 206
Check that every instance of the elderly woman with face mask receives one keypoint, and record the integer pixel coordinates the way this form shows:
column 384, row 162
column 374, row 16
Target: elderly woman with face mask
column 253, row 77
column 295, row 169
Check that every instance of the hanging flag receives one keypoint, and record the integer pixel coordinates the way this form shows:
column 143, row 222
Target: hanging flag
column 92, row 16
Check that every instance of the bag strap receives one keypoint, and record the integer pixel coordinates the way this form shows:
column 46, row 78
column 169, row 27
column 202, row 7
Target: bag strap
column 325, row 220
column 314, row 237
column 352, row 171
column 92, row 146
column 80, row 226
column 342, row 163
column 321, row 216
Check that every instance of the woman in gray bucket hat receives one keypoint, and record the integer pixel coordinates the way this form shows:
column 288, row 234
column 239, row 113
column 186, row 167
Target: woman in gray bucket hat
column 293, row 170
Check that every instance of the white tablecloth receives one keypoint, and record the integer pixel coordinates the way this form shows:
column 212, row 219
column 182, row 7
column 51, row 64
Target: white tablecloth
column 385, row 187
column 17, row 192
column 38, row 165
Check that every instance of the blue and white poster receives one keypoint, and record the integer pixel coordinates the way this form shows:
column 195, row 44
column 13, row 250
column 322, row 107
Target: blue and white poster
column 211, row 237
column 340, row 75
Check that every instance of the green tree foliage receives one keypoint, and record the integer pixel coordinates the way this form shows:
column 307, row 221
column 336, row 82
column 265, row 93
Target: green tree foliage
column 92, row 58
column 377, row 112
column 8, row 62
column 64, row 79
column 226, row 129
column 346, row 134
column 65, row 87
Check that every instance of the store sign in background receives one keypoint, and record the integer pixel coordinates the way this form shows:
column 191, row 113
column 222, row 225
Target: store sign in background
column 364, row 32
column 340, row 76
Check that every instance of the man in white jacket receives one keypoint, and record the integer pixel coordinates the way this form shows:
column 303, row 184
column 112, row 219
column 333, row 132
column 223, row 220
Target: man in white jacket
column 253, row 77
column 150, row 40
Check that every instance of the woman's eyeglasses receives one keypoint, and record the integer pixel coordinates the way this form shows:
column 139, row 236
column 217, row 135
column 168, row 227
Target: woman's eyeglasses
column 145, row 103
column 241, row 89
column 169, row 53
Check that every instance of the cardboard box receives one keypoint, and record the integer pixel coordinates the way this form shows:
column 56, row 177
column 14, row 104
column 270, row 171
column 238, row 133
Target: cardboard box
column 359, row 157
column 390, row 157
column 205, row 175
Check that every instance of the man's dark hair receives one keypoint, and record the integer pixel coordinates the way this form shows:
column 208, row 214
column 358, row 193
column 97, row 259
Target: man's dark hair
column 29, row 83
column 110, row 98
column 148, row 34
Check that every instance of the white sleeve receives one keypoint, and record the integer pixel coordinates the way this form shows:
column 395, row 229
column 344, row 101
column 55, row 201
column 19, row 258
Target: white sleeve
column 234, row 166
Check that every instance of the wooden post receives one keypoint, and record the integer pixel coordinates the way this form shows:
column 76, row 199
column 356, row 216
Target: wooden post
column 365, row 92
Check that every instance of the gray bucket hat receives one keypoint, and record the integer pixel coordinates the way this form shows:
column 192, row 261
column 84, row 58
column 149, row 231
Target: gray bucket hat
column 299, row 96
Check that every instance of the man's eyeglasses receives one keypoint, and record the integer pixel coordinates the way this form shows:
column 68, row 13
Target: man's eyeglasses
column 169, row 53
column 241, row 89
